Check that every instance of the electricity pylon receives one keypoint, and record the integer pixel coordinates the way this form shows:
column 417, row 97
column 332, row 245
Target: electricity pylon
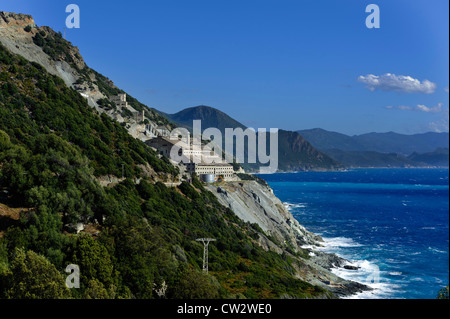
column 205, row 242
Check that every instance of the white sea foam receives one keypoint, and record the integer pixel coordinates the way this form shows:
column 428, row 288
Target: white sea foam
column 339, row 242
column 368, row 272
column 381, row 291
column 435, row 250
column 290, row 206
column 395, row 273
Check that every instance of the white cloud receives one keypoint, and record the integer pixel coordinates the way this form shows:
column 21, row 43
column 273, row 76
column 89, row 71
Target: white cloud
column 419, row 107
column 441, row 125
column 446, row 89
column 398, row 83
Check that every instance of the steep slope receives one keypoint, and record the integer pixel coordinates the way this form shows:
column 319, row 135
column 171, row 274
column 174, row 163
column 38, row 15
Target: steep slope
column 52, row 146
column 136, row 239
column 20, row 35
column 294, row 153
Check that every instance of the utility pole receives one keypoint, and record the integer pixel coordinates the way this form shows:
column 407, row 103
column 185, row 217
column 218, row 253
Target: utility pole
column 205, row 242
column 123, row 171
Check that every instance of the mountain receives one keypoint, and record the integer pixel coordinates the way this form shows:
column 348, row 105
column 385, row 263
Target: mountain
column 324, row 140
column 209, row 116
column 377, row 142
column 439, row 157
column 294, row 153
column 354, row 159
column 77, row 188
column 403, row 144
column 380, row 149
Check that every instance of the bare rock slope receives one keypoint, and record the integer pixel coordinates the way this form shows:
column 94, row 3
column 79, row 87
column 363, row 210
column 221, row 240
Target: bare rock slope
column 256, row 203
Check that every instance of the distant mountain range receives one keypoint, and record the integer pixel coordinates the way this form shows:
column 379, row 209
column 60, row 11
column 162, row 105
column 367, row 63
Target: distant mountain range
column 295, row 153
column 382, row 149
column 322, row 149
column 437, row 158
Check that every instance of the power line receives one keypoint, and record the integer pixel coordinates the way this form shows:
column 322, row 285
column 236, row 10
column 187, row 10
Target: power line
column 205, row 242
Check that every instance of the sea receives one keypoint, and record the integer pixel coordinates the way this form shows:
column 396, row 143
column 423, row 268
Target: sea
column 393, row 224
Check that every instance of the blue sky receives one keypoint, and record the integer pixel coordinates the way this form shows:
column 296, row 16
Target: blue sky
column 283, row 64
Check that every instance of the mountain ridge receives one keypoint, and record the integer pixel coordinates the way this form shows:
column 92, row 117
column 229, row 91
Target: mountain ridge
column 388, row 142
column 295, row 153
column 388, row 149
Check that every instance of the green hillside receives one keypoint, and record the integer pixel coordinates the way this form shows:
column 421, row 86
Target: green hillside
column 439, row 157
column 139, row 236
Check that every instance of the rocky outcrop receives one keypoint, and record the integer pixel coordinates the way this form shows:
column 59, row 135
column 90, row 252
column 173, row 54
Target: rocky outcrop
column 19, row 41
column 15, row 20
column 20, row 35
column 256, row 203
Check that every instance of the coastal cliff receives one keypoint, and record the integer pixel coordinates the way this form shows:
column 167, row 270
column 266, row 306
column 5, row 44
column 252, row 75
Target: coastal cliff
column 251, row 201
column 256, row 203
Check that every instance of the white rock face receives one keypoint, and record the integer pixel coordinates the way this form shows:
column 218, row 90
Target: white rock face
column 17, row 40
column 255, row 203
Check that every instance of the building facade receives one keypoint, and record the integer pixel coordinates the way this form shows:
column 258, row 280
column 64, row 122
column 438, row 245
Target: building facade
column 194, row 157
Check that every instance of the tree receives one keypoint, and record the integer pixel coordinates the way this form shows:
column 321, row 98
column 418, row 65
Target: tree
column 34, row 277
column 94, row 262
column 96, row 290
column 194, row 284
column 5, row 142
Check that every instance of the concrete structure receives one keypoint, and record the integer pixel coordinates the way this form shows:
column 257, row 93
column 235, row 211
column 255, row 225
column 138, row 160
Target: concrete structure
column 150, row 129
column 194, row 158
column 138, row 116
column 162, row 131
column 223, row 170
column 121, row 102
column 163, row 145
column 209, row 178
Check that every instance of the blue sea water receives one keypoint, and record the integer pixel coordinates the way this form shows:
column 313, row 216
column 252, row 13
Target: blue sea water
column 392, row 223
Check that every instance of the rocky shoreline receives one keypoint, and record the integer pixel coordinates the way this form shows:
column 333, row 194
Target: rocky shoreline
column 255, row 203
column 337, row 285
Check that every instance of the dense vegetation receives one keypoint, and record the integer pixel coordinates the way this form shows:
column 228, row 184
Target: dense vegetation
column 139, row 240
